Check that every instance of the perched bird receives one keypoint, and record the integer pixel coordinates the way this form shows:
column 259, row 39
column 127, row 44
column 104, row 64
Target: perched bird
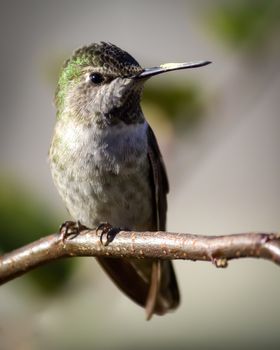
column 106, row 163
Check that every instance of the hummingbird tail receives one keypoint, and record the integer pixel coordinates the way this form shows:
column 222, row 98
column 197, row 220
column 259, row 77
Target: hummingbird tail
column 165, row 296
column 151, row 302
column 150, row 283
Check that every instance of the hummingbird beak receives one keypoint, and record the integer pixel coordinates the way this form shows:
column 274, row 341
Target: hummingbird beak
column 168, row 67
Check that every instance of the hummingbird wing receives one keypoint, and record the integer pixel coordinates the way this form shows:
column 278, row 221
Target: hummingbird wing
column 163, row 292
column 150, row 283
column 159, row 181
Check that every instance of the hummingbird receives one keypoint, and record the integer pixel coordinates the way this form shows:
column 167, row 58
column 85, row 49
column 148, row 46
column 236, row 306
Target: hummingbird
column 106, row 163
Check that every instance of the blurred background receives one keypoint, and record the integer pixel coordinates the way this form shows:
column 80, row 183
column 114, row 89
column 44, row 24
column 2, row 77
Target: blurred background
column 218, row 129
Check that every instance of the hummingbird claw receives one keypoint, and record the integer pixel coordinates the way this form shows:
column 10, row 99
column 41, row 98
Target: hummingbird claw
column 70, row 230
column 109, row 231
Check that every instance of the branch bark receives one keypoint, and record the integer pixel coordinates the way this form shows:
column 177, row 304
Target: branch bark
column 130, row 244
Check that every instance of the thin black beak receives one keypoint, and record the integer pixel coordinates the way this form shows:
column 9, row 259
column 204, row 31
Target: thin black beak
column 168, row 67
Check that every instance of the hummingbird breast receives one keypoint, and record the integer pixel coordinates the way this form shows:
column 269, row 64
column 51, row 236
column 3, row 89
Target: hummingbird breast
column 103, row 174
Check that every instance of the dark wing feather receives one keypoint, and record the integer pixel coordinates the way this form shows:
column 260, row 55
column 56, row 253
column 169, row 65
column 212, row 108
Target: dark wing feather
column 159, row 180
column 164, row 293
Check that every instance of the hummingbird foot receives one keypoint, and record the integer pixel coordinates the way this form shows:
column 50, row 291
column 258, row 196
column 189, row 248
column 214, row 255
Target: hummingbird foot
column 70, row 230
column 109, row 231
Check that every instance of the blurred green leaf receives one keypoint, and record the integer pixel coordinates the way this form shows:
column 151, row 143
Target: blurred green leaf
column 245, row 22
column 183, row 105
column 24, row 218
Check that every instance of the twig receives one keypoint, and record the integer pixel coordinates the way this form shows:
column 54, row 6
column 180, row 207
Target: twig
column 130, row 244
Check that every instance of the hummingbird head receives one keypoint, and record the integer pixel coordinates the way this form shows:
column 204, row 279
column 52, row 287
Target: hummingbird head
column 97, row 84
column 101, row 83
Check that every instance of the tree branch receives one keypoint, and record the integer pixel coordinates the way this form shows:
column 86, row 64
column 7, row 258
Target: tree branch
column 130, row 244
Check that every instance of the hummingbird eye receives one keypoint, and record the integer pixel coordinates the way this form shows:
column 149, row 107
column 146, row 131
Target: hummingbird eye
column 96, row 78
